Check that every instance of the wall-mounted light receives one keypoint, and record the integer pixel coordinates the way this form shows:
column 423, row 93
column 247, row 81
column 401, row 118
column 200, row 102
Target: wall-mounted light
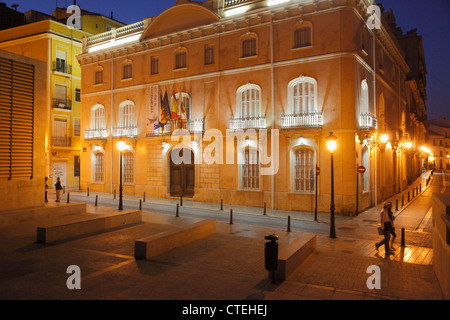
column 384, row 138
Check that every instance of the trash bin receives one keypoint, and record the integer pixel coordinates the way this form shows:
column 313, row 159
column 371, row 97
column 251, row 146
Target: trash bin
column 271, row 254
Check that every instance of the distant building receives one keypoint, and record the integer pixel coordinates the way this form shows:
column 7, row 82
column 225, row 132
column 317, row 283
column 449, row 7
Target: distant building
column 23, row 115
column 9, row 17
column 46, row 39
column 439, row 142
column 303, row 68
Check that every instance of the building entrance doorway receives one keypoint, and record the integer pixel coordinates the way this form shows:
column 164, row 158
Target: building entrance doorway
column 182, row 176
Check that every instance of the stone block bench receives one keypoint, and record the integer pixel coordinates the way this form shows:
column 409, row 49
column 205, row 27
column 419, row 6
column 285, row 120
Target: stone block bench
column 77, row 226
column 293, row 255
column 156, row 244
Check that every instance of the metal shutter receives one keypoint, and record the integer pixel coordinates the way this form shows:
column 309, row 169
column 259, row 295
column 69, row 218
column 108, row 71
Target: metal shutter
column 16, row 119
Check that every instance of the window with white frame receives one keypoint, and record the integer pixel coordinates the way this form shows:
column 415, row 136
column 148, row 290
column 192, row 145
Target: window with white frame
column 304, row 168
column 249, row 101
column 127, row 114
column 250, row 169
column 303, row 96
column 98, row 117
column 128, row 167
column 364, row 97
column 366, row 164
column 98, row 167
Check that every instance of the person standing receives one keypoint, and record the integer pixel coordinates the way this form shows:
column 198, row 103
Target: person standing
column 46, row 189
column 386, row 227
column 391, row 216
column 58, row 188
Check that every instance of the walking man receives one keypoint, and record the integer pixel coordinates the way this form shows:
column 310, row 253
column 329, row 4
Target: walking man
column 386, row 226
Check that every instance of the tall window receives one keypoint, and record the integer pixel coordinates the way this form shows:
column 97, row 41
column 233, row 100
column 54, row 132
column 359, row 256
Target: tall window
column 249, row 101
column 249, row 46
column 154, row 65
column 302, row 37
column 98, row 117
column 126, row 114
column 304, row 170
column 250, row 169
column 98, row 76
column 76, row 128
column 77, row 95
column 127, row 70
column 209, row 55
column 366, row 164
column 76, row 166
column 181, row 59
column 303, row 95
column 98, row 167
column 60, row 62
column 127, row 167
column 364, row 97
column 364, row 38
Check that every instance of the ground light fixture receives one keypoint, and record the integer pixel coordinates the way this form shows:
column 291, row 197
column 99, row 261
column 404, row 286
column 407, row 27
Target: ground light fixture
column 332, row 146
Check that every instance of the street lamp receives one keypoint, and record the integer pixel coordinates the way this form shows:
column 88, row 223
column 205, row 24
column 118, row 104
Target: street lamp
column 122, row 146
column 331, row 145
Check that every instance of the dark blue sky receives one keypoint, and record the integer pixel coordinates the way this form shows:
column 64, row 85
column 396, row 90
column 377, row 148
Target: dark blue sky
column 431, row 18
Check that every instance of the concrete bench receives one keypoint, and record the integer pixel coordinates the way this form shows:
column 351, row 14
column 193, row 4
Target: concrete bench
column 293, row 255
column 156, row 244
column 69, row 228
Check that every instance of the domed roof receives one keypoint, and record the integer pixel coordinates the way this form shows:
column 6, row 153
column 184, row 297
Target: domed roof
column 181, row 16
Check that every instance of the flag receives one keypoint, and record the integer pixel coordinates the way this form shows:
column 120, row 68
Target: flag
column 175, row 111
column 183, row 109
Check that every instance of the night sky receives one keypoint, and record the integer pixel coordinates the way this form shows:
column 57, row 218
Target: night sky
column 431, row 18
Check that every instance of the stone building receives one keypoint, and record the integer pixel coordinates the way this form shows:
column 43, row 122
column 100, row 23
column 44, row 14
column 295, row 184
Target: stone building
column 288, row 71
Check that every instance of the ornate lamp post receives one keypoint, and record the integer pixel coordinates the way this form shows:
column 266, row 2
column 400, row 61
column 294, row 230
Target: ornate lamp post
column 122, row 146
column 331, row 145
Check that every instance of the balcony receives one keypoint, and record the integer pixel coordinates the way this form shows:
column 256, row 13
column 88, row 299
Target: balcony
column 59, row 66
column 62, row 104
column 61, row 142
column 367, row 121
column 302, row 121
column 248, row 123
column 125, row 132
column 95, row 134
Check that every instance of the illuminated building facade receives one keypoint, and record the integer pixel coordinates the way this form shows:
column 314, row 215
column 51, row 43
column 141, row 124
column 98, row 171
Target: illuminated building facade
column 304, row 68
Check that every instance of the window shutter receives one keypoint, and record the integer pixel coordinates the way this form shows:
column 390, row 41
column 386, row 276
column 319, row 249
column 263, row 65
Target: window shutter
column 5, row 117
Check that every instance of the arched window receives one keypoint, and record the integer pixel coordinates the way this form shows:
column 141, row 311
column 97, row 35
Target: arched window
column 127, row 167
column 249, row 46
column 303, row 35
column 249, row 170
column 249, row 101
column 127, row 114
column 127, row 69
column 302, row 95
column 364, row 97
column 98, row 167
column 98, row 117
column 304, row 168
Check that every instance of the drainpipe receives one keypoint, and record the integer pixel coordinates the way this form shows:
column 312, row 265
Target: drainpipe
column 273, row 106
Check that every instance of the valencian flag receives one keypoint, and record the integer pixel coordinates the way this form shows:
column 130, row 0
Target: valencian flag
column 183, row 110
column 175, row 111
column 165, row 114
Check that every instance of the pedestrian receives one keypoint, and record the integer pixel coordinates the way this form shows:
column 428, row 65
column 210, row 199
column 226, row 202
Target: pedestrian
column 391, row 216
column 46, row 189
column 58, row 188
column 386, row 227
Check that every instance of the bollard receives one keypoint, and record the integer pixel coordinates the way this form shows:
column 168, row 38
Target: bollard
column 265, row 208
column 178, row 210
column 88, row 191
column 271, row 255
column 181, row 201
column 409, row 197
column 221, row 204
column 144, row 196
column 403, row 200
column 96, row 200
column 413, row 192
column 403, row 238
column 68, row 197
column 289, row 224
column 396, row 204
column 64, row 190
column 114, row 194
column 420, row 187
column 140, row 205
column 231, row 216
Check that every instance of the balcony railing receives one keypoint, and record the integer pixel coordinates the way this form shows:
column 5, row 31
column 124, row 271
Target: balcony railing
column 128, row 132
column 63, row 142
column 229, row 3
column 248, row 123
column 62, row 67
column 306, row 120
column 196, row 125
column 93, row 134
column 367, row 121
column 62, row 104
column 192, row 125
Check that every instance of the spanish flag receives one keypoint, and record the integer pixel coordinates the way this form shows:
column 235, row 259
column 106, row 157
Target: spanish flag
column 175, row 111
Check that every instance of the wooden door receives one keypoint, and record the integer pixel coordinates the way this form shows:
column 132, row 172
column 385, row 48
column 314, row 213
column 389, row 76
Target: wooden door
column 182, row 176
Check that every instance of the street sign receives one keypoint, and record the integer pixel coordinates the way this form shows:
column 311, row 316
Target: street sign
column 361, row 169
